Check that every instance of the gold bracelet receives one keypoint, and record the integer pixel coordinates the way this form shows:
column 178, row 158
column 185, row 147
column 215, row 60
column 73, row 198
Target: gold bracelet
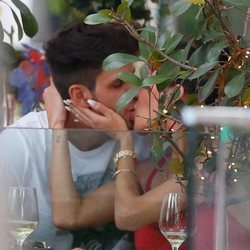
column 123, row 154
column 124, row 170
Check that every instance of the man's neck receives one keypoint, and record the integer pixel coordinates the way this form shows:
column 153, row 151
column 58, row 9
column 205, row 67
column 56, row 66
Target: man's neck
column 83, row 137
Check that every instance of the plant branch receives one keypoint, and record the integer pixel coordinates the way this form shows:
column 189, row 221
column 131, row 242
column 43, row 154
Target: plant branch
column 141, row 39
column 215, row 7
column 247, row 24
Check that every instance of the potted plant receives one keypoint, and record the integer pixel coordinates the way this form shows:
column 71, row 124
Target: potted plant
column 215, row 57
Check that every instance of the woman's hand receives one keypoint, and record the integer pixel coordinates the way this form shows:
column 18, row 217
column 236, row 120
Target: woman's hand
column 55, row 109
column 98, row 116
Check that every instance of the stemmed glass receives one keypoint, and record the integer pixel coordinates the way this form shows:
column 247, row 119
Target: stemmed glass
column 23, row 213
column 173, row 223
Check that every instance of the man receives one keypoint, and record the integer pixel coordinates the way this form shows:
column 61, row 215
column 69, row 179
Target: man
column 75, row 56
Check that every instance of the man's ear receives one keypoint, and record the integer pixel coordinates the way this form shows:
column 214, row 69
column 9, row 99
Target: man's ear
column 79, row 94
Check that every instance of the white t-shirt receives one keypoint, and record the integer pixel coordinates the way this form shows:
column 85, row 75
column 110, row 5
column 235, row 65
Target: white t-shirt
column 24, row 161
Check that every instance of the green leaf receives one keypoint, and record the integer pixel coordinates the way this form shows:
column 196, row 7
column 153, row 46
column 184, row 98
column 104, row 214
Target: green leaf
column 246, row 97
column 30, row 25
column 124, row 11
column 172, row 43
column 157, row 148
column 186, row 50
column 153, row 80
column 98, row 18
column 179, row 7
column 212, row 35
column 245, row 41
column 118, row 60
column 199, row 56
column 235, row 86
column 129, row 2
column 210, row 165
column 1, row 32
column 215, row 51
column 126, row 98
column 169, row 69
column 163, row 38
column 144, row 71
column 204, row 68
column 176, row 166
column 244, row 3
column 8, row 54
column 19, row 26
column 209, row 86
column 129, row 77
column 148, row 34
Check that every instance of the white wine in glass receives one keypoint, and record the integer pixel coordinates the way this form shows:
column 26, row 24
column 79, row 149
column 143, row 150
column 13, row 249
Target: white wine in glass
column 173, row 223
column 23, row 213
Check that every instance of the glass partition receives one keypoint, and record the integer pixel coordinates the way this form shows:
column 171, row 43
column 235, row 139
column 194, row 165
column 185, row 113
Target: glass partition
column 218, row 204
column 217, row 165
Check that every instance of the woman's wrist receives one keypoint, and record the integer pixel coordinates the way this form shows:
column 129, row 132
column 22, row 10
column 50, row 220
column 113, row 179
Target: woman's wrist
column 126, row 141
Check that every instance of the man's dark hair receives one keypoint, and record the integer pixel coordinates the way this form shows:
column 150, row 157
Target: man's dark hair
column 76, row 53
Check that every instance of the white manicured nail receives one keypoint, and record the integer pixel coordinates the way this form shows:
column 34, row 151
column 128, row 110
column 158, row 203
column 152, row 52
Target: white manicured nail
column 67, row 102
column 68, row 108
column 91, row 102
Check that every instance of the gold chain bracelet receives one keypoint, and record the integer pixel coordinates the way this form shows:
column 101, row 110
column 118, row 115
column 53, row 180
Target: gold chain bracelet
column 123, row 154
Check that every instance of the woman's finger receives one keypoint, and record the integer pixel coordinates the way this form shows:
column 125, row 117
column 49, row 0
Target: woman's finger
column 100, row 108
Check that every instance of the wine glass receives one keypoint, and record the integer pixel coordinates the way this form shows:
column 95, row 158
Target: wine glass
column 173, row 223
column 23, row 213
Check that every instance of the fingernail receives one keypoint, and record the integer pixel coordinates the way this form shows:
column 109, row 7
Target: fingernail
column 68, row 108
column 91, row 102
column 66, row 102
column 76, row 120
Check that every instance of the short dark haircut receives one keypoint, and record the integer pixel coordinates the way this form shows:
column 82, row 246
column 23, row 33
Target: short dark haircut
column 76, row 53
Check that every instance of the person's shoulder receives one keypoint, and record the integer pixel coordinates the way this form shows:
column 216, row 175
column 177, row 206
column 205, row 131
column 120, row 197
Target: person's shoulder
column 32, row 120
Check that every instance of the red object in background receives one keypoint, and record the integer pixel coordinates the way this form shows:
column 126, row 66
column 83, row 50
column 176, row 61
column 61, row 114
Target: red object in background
column 238, row 236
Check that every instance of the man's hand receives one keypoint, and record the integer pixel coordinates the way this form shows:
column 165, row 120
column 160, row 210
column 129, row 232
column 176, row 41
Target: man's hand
column 55, row 109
